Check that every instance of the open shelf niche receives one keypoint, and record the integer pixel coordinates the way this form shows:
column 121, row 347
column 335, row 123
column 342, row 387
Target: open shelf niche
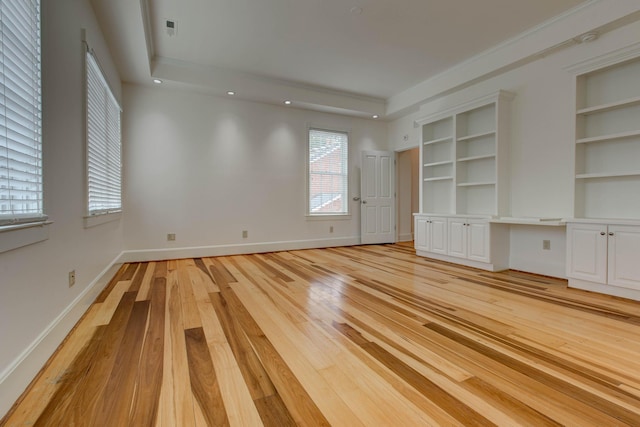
column 464, row 158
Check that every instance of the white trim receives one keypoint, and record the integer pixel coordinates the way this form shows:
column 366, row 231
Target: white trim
column 19, row 235
column 238, row 249
column 18, row 375
column 605, row 289
column 462, row 261
column 99, row 219
column 610, row 58
column 405, row 237
column 500, row 95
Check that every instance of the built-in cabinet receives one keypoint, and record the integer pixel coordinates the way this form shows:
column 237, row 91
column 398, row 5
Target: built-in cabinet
column 604, row 257
column 464, row 181
column 469, row 238
column 431, row 234
column 603, row 239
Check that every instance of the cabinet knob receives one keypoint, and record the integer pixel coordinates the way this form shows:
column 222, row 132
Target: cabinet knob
column 602, row 233
column 610, row 233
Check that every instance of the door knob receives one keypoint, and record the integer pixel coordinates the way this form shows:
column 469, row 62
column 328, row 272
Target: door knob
column 364, row 202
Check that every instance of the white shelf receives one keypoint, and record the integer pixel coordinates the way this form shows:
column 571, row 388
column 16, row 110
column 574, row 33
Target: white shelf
column 549, row 222
column 606, row 175
column 438, row 178
column 609, row 106
column 435, row 141
column 472, row 158
column 610, row 137
column 477, row 135
column 476, row 184
column 448, row 162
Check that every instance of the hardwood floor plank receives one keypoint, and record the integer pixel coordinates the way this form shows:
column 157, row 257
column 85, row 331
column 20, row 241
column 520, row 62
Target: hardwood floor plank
column 204, row 382
column 115, row 403
column 147, row 282
column 146, row 402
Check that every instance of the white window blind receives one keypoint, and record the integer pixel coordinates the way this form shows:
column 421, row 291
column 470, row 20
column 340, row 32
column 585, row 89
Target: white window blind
column 328, row 172
column 20, row 112
column 103, row 143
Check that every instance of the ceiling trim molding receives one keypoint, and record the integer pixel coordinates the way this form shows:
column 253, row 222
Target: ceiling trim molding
column 159, row 60
column 550, row 36
column 147, row 29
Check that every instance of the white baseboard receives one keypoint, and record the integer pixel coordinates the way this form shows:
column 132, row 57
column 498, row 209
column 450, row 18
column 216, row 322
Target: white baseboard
column 406, row 237
column 616, row 291
column 19, row 374
column 222, row 250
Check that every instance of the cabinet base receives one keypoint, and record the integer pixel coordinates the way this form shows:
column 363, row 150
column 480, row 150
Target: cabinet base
column 605, row 289
column 462, row 261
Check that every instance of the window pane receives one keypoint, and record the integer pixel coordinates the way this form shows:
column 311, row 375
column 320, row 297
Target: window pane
column 328, row 172
column 20, row 112
column 103, row 143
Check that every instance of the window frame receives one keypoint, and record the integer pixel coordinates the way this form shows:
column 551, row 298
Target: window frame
column 23, row 229
column 329, row 215
column 94, row 217
column 15, row 221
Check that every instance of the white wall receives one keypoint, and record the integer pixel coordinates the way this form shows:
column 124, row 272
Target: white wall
column 206, row 168
column 34, row 292
column 541, row 143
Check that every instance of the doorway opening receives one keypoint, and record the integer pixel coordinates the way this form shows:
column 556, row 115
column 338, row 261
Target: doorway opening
column 407, row 200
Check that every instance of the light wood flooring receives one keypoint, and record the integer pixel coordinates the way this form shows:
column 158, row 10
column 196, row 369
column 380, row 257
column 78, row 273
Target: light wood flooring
column 354, row 336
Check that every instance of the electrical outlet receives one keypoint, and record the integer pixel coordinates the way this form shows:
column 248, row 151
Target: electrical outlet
column 72, row 278
column 171, row 237
column 546, row 245
column 331, row 229
column 245, row 234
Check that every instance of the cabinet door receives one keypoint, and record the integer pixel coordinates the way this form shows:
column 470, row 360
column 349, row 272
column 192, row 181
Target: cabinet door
column 478, row 240
column 587, row 252
column 438, row 235
column 421, row 239
column 624, row 256
column 457, row 241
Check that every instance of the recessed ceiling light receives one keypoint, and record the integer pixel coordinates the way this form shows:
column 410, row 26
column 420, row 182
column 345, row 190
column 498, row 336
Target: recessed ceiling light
column 356, row 10
column 375, row 116
column 287, row 102
column 157, row 81
column 231, row 93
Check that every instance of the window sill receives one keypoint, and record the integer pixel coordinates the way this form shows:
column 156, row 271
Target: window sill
column 96, row 220
column 19, row 235
column 328, row 217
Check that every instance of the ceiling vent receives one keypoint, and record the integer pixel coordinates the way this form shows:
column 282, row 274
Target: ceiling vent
column 171, row 27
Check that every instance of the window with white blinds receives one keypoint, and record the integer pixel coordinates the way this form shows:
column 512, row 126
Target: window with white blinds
column 104, row 170
column 20, row 113
column 328, row 178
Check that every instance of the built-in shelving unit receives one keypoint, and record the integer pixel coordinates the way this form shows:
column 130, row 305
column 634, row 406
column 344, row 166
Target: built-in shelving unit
column 607, row 145
column 464, row 157
column 464, row 182
column 603, row 238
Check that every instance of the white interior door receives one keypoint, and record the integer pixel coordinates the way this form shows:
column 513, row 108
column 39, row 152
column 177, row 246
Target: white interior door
column 377, row 193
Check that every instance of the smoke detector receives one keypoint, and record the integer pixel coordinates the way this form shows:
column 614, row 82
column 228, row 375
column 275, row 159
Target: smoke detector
column 588, row 37
column 171, row 27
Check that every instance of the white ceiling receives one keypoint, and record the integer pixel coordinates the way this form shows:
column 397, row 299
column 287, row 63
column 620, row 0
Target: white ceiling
column 390, row 46
column 310, row 50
